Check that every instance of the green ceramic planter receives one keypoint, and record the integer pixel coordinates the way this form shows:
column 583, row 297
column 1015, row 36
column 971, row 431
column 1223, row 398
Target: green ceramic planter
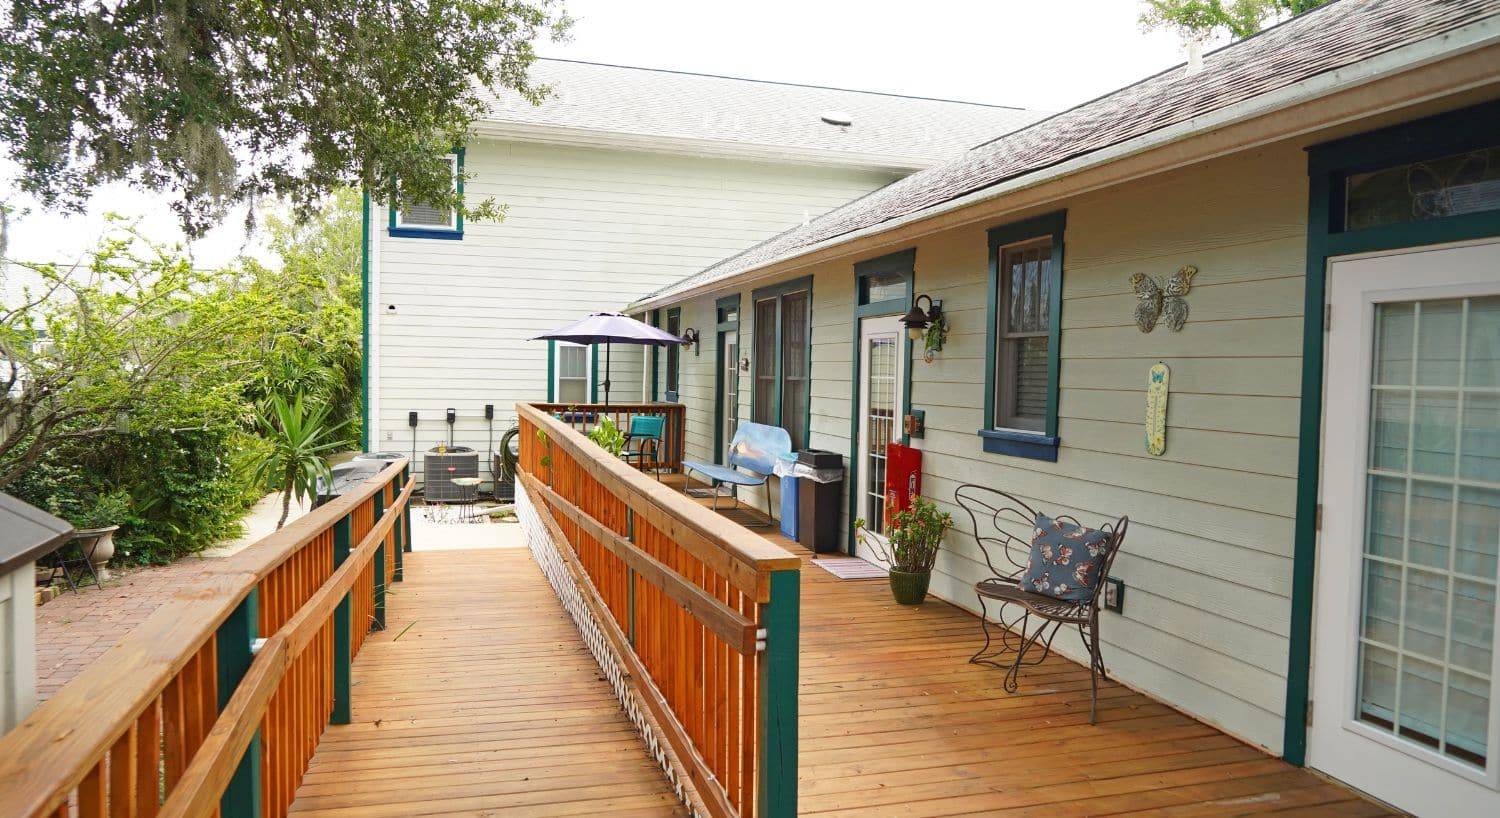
column 910, row 588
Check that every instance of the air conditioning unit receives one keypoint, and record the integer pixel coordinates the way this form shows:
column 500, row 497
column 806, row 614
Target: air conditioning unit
column 439, row 470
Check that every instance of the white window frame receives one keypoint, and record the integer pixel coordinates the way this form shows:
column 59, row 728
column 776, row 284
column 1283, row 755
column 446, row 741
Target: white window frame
column 557, row 376
column 452, row 225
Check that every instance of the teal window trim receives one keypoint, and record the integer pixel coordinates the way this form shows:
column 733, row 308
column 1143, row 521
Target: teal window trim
column 1328, row 165
column 1012, row 442
column 454, row 233
column 722, row 329
column 778, row 292
column 551, row 371
column 904, row 264
column 655, row 358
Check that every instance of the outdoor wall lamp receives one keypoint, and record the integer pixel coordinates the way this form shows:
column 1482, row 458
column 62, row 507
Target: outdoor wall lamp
column 690, row 335
column 917, row 321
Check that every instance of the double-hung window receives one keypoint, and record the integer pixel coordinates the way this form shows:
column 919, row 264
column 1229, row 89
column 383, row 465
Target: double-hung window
column 783, row 357
column 1025, row 301
column 417, row 220
column 571, row 365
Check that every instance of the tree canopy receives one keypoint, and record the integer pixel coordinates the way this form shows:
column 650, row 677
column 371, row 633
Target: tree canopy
column 1237, row 18
column 219, row 102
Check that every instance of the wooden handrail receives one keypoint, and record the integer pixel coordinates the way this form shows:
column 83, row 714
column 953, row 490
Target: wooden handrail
column 701, row 612
column 581, row 416
column 744, row 557
column 167, row 666
column 205, row 779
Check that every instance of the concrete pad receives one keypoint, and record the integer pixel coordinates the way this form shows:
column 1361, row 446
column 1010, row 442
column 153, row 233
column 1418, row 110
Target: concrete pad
column 441, row 534
column 258, row 522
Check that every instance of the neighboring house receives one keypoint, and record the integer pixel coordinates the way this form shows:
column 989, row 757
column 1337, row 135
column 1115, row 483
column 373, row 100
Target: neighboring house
column 1331, row 475
column 625, row 180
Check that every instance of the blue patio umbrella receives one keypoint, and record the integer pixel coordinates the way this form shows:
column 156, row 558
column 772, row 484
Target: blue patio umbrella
column 610, row 328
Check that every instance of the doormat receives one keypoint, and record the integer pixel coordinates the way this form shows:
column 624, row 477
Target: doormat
column 852, row 568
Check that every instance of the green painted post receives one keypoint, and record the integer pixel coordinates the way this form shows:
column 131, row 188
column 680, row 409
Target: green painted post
column 398, row 538
column 342, row 650
column 377, row 508
column 241, row 798
column 406, row 512
column 778, row 699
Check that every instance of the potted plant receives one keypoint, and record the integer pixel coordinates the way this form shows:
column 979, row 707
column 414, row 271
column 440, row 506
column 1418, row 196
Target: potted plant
column 911, row 548
column 101, row 518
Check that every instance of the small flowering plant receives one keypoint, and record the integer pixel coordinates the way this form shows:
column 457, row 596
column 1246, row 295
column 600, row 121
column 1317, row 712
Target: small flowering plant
column 914, row 535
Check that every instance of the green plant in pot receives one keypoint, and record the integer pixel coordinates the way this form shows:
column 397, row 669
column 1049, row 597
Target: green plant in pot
column 913, row 538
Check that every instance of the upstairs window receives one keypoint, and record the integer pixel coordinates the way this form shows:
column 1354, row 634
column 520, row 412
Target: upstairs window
column 1025, row 327
column 571, row 365
column 414, row 220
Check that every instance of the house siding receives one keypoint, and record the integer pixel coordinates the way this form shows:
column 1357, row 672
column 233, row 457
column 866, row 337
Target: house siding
column 585, row 229
column 1207, row 562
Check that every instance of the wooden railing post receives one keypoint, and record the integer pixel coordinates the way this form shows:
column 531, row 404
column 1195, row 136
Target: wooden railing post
column 235, row 649
column 377, row 509
column 777, row 765
column 342, row 629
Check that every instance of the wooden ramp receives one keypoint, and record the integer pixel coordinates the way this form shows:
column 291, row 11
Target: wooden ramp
column 480, row 699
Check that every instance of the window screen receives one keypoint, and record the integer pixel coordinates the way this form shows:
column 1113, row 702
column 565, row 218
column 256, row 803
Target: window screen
column 1025, row 322
column 764, row 410
column 572, row 373
column 794, row 374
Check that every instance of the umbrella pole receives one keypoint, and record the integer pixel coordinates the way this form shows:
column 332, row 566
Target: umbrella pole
column 606, row 372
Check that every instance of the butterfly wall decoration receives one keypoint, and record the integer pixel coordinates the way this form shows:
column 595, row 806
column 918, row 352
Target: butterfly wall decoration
column 1156, row 301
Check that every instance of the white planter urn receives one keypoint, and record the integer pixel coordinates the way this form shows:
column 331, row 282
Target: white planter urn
column 104, row 549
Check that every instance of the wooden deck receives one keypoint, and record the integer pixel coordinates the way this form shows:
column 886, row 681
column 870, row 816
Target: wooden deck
column 513, row 718
column 479, row 698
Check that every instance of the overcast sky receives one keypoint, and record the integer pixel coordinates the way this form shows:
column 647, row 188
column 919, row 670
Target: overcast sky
column 1047, row 55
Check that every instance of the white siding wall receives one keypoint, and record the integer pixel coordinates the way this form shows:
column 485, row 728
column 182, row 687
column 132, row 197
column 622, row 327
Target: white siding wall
column 1207, row 562
column 585, row 230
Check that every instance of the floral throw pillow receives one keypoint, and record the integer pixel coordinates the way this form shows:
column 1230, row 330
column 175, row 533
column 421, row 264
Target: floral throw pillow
column 1066, row 559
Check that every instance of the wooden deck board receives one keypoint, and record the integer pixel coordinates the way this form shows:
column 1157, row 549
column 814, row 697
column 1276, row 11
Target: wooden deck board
column 487, row 704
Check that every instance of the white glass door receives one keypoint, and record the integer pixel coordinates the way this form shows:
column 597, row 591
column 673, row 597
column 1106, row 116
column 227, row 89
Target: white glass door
column 882, row 377
column 1404, row 693
column 729, row 408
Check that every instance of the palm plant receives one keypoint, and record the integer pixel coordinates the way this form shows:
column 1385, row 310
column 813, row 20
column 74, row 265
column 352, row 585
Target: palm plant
column 299, row 440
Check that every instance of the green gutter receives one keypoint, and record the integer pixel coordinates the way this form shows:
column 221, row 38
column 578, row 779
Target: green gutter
column 364, row 324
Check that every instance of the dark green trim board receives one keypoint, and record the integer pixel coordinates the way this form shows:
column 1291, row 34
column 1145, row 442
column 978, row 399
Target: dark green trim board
column 1328, row 166
column 778, row 695
column 364, row 322
column 655, row 357
column 343, row 655
column 593, row 373
column 236, row 635
column 1006, row 441
column 904, row 264
column 454, row 233
column 551, row 371
column 778, row 291
column 722, row 329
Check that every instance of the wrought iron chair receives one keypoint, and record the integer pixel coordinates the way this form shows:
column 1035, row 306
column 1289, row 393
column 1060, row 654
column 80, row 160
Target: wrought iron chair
column 990, row 511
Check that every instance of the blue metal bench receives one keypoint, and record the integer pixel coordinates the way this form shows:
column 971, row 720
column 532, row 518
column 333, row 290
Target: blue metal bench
column 755, row 449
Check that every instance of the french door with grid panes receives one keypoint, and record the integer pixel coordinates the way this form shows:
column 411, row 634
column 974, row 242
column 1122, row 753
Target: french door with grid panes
column 1404, row 664
column 881, row 380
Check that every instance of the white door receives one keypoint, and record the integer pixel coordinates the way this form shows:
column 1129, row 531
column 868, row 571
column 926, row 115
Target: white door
column 882, row 375
column 729, row 410
column 1404, row 663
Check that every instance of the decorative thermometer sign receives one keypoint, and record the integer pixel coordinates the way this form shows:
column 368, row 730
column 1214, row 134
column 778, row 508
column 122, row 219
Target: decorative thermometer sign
column 1156, row 408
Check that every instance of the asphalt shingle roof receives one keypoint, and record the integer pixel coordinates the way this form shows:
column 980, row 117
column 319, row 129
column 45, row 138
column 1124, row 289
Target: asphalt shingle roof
column 649, row 102
column 1328, row 38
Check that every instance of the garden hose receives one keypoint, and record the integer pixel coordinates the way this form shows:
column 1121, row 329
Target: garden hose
column 508, row 459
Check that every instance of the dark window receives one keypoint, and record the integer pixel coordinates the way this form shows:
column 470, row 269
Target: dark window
column 877, row 287
column 794, row 375
column 674, row 352
column 1453, row 185
column 1023, row 332
column 764, row 410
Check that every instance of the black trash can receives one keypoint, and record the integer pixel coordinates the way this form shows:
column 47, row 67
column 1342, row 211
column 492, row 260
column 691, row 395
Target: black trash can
column 819, row 492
